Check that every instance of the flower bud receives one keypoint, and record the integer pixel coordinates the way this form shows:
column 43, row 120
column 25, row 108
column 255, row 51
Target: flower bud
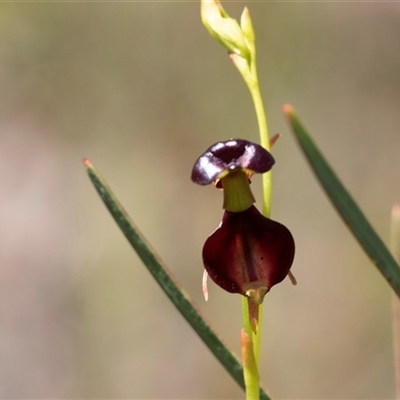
column 223, row 28
column 247, row 25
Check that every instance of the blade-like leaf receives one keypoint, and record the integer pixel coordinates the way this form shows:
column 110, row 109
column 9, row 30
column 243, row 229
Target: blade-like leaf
column 164, row 278
column 345, row 205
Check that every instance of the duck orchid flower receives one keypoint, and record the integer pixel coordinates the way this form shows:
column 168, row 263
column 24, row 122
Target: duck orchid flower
column 248, row 253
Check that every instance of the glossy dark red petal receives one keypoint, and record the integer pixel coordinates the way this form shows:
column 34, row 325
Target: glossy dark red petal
column 231, row 155
column 248, row 247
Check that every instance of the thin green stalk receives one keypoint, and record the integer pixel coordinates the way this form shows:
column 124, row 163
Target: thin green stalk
column 264, row 139
column 257, row 337
column 251, row 371
column 246, row 316
column 251, row 351
column 395, row 249
column 254, row 87
column 247, row 327
column 260, row 113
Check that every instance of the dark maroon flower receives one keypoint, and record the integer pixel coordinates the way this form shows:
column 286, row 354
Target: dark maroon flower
column 248, row 253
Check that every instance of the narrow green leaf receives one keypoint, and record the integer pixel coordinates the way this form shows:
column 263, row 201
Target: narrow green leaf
column 164, row 278
column 345, row 205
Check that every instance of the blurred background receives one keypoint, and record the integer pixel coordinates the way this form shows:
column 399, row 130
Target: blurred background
column 142, row 90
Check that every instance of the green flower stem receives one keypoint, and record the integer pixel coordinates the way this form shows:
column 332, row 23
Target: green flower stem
column 166, row 281
column 251, row 358
column 264, row 140
column 257, row 337
column 254, row 87
column 251, row 376
column 247, row 327
column 252, row 379
column 251, row 372
column 395, row 248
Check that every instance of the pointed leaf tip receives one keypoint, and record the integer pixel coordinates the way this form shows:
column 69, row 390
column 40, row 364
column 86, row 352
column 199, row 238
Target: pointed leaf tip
column 396, row 211
column 86, row 162
column 288, row 110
